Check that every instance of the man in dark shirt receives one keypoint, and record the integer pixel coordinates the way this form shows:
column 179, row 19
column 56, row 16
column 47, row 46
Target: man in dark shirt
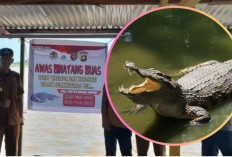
column 221, row 140
column 11, row 91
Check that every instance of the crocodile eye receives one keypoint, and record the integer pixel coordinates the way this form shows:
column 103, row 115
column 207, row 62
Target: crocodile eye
column 165, row 76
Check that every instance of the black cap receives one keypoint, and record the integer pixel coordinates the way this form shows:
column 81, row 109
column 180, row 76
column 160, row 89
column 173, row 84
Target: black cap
column 6, row 52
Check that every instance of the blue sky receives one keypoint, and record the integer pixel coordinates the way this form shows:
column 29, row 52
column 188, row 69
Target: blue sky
column 15, row 45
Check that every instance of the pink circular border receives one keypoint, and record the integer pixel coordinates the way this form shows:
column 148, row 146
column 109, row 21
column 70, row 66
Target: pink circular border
column 106, row 68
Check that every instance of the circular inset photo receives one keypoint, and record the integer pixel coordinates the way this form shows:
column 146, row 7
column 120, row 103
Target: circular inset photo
column 169, row 75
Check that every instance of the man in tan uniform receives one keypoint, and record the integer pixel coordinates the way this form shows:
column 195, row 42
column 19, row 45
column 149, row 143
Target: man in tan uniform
column 11, row 106
column 114, row 130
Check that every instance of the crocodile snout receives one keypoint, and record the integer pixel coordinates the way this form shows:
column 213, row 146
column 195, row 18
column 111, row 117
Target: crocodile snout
column 130, row 65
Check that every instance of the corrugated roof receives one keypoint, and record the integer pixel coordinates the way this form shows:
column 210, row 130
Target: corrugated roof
column 37, row 18
column 68, row 16
column 223, row 13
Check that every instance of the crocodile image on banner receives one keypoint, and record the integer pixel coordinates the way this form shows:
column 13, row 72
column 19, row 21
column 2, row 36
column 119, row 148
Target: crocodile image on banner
column 43, row 97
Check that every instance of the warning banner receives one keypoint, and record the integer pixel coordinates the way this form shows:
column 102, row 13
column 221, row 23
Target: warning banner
column 66, row 75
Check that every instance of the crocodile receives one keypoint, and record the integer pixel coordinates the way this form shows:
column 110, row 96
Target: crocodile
column 201, row 88
column 43, row 97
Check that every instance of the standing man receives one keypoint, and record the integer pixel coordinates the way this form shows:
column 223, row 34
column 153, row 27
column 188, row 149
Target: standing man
column 114, row 130
column 221, row 140
column 11, row 91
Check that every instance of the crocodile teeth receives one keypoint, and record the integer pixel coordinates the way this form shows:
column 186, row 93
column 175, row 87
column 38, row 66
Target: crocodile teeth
column 121, row 89
column 131, row 87
column 130, row 72
column 124, row 90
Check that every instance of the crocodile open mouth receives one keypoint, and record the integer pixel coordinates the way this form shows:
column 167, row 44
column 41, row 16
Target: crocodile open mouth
column 148, row 85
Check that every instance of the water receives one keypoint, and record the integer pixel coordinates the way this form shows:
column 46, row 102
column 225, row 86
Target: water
column 167, row 41
column 147, row 122
column 51, row 133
